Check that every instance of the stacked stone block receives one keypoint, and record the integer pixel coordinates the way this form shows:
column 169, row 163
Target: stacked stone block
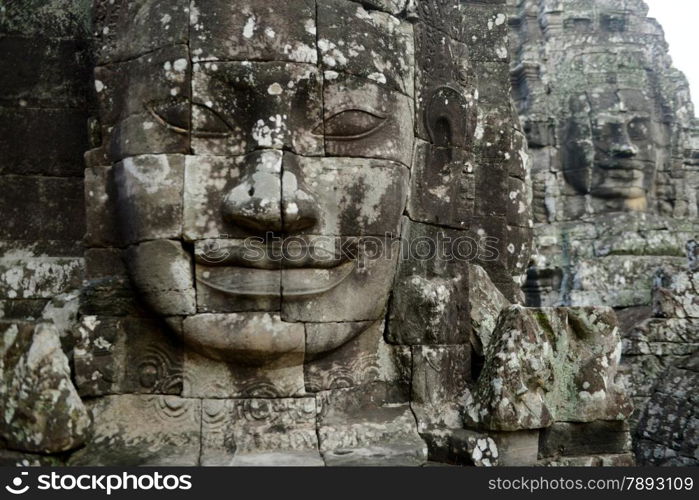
column 43, row 135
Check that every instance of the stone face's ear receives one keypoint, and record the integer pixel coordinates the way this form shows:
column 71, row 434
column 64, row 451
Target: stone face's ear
column 486, row 303
column 449, row 119
column 577, row 153
column 161, row 272
column 693, row 255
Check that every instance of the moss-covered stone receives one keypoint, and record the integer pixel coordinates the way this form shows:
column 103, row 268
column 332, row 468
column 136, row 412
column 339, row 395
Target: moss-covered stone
column 549, row 365
column 42, row 412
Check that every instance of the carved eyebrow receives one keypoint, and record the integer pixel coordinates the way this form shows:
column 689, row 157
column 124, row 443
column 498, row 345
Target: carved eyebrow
column 382, row 121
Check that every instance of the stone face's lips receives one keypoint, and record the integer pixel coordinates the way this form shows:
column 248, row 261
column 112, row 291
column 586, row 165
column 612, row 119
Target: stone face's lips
column 265, row 283
column 299, row 283
column 295, row 254
column 622, row 178
column 612, row 164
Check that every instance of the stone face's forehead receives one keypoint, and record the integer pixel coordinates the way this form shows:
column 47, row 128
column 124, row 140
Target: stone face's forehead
column 613, row 102
column 256, row 105
column 589, row 8
column 340, row 35
column 368, row 44
column 127, row 29
column 263, row 30
column 623, row 101
column 601, row 119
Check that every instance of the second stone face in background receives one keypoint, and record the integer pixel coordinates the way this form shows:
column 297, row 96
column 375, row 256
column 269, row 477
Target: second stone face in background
column 611, row 130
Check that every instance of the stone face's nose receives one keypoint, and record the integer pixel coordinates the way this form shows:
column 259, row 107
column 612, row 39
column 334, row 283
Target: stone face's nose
column 262, row 202
column 300, row 209
column 255, row 203
column 624, row 150
column 621, row 146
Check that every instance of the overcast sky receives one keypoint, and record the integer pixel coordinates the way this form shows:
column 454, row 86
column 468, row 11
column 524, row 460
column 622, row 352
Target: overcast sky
column 679, row 20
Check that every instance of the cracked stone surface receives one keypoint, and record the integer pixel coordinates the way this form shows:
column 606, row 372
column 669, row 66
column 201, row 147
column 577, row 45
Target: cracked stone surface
column 667, row 431
column 250, row 242
column 546, row 365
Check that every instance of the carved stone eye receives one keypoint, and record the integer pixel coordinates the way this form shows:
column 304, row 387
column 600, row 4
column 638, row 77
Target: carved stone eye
column 350, row 125
column 175, row 115
column 171, row 113
column 639, row 129
column 207, row 123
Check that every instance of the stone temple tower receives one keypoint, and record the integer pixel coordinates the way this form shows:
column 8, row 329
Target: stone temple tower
column 611, row 133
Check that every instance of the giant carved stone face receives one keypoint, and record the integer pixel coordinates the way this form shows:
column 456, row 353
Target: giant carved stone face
column 612, row 142
column 262, row 156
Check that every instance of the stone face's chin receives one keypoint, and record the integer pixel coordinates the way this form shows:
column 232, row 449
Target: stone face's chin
column 639, row 204
column 259, row 338
column 247, row 338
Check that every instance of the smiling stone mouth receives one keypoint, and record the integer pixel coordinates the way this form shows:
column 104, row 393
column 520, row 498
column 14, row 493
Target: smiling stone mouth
column 293, row 283
column 622, row 164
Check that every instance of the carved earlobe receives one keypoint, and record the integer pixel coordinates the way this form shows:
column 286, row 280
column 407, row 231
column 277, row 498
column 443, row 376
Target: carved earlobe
column 448, row 119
